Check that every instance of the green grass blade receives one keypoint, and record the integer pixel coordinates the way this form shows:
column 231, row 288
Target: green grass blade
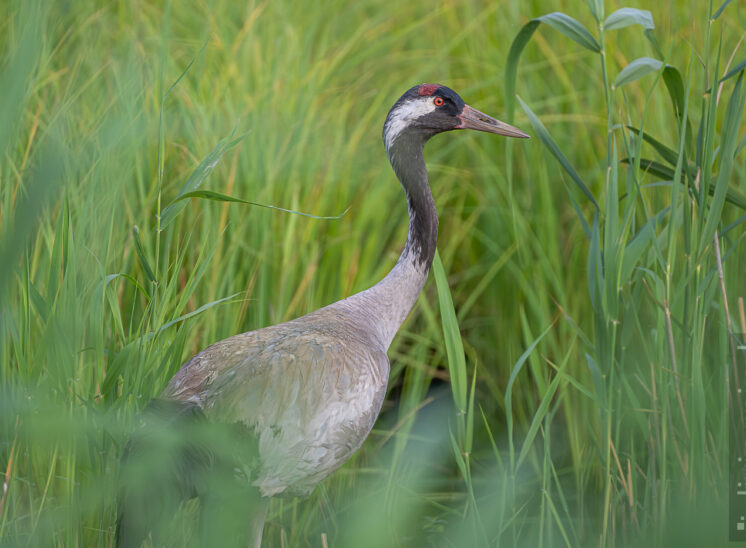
column 733, row 225
column 729, row 139
column 597, row 8
column 198, row 176
column 598, row 381
column 650, row 35
column 732, row 195
column 558, row 520
column 638, row 244
column 218, row 197
column 469, row 439
column 557, row 20
column 732, row 72
column 451, row 335
column 183, row 74
column 625, row 17
column 511, row 65
column 720, row 9
column 636, row 70
column 651, row 166
column 539, row 416
column 458, row 455
column 571, row 28
column 548, row 142
column 595, row 266
column 668, row 154
column 675, row 86
column 195, row 312
column 578, row 212
column 509, row 387
column 144, row 261
column 111, row 277
column 612, row 237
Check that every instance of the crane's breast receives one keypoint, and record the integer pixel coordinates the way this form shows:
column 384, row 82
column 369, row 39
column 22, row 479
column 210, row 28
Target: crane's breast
column 310, row 397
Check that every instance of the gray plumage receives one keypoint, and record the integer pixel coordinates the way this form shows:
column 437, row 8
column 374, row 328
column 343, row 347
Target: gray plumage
column 305, row 394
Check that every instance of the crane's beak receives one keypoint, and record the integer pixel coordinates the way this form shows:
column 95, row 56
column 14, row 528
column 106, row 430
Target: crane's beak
column 471, row 118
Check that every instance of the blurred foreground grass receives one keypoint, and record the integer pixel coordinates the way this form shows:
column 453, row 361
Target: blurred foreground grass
column 597, row 336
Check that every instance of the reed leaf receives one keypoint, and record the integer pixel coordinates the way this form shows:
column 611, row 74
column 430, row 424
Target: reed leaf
column 552, row 146
column 625, row 17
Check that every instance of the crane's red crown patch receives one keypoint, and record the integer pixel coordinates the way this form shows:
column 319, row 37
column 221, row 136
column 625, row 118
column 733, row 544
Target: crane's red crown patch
column 427, row 89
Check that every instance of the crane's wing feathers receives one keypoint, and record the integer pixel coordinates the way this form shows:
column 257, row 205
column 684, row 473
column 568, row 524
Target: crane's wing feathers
column 309, row 397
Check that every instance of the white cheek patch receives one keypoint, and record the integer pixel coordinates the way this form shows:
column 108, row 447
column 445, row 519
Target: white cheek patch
column 404, row 115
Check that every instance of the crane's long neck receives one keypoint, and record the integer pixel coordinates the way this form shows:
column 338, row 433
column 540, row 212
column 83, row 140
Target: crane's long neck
column 386, row 305
column 407, row 160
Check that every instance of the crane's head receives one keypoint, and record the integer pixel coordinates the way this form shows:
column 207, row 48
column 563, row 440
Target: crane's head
column 429, row 109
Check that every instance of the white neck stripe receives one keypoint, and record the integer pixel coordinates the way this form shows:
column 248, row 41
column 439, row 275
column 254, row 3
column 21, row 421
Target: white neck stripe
column 404, row 115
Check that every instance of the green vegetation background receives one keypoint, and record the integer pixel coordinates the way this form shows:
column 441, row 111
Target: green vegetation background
column 613, row 427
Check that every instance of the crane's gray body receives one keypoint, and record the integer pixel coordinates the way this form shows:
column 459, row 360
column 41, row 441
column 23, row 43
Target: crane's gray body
column 308, row 390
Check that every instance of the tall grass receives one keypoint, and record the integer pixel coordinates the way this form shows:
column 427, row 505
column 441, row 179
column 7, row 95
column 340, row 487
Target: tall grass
column 582, row 305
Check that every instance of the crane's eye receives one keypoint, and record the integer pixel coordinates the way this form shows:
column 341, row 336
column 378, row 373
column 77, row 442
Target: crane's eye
column 438, row 101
